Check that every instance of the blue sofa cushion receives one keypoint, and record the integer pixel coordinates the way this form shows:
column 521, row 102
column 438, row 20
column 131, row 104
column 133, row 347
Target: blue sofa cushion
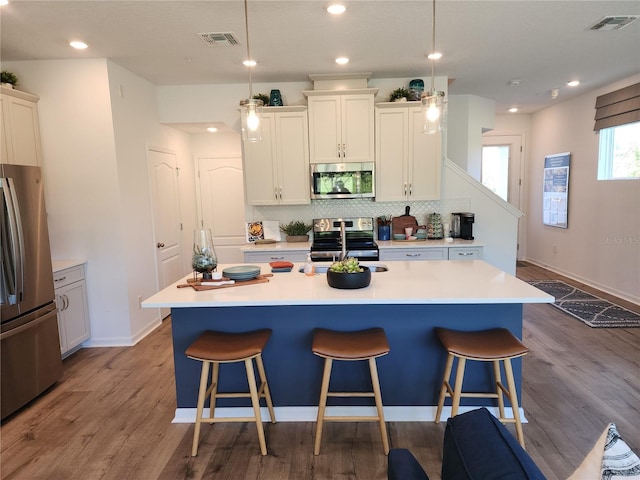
column 478, row 447
column 404, row 466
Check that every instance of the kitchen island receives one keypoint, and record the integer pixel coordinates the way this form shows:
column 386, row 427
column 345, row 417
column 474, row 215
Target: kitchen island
column 408, row 301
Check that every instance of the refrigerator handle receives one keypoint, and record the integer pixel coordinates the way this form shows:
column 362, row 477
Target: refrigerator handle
column 16, row 240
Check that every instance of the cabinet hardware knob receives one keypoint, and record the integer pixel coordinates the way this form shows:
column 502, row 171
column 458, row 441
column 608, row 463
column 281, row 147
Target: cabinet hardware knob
column 160, row 244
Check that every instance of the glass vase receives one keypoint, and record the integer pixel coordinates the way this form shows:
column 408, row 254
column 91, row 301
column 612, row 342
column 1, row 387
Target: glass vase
column 204, row 258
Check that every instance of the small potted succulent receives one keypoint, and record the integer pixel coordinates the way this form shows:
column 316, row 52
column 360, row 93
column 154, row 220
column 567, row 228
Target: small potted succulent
column 8, row 78
column 399, row 95
column 296, row 231
column 348, row 274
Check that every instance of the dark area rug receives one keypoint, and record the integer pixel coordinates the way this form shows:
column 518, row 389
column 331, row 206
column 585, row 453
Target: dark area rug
column 594, row 311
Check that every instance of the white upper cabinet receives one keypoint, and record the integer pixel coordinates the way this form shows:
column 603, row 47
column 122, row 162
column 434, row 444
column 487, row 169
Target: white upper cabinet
column 408, row 162
column 276, row 169
column 341, row 127
column 20, row 128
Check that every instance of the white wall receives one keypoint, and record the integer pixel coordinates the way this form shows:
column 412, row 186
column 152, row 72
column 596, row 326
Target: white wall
column 601, row 245
column 97, row 190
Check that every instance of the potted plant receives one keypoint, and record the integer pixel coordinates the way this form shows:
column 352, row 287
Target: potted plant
column 399, row 95
column 8, row 78
column 296, row 231
column 263, row 97
column 348, row 274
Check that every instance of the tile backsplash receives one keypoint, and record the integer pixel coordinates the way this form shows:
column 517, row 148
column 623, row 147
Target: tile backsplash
column 359, row 208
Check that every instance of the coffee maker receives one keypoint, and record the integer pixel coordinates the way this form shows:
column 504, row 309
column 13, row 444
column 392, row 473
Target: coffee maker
column 462, row 225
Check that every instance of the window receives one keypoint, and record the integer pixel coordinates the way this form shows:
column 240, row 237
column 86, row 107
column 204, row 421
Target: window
column 619, row 154
column 495, row 169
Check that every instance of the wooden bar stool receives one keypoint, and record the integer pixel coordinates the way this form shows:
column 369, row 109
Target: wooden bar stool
column 494, row 345
column 214, row 348
column 350, row 346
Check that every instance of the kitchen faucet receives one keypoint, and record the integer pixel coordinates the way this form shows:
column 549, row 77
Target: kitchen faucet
column 343, row 239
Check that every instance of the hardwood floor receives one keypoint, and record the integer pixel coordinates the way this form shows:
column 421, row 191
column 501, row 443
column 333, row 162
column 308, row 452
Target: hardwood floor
column 109, row 417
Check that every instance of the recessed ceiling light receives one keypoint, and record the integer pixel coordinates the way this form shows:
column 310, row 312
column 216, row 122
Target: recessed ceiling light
column 513, row 109
column 335, row 8
column 77, row 44
column 434, row 56
column 212, row 129
column 249, row 63
column 342, row 60
column 573, row 83
column 514, row 83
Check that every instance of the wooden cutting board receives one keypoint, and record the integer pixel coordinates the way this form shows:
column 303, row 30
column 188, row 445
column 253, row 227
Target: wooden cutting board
column 398, row 224
column 199, row 285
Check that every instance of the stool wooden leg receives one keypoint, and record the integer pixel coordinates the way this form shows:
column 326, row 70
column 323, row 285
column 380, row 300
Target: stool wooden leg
column 215, row 373
column 498, row 381
column 255, row 401
column 457, row 390
column 324, row 390
column 265, row 387
column 443, row 391
column 202, row 392
column 378, row 397
column 513, row 397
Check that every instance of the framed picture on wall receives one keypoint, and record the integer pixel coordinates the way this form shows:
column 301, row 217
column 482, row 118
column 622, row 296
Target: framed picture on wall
column 555, row 193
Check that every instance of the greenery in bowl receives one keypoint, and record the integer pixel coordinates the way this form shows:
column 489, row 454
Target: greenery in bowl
column 398, row 93
column 295, row 228
column 8, row 77
column 348, row 265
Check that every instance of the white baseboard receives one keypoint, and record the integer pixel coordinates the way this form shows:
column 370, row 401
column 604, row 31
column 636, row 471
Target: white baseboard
column 309, row 414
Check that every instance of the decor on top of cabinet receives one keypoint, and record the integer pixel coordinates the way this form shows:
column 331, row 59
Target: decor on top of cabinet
column 8, row 78
column 275, row 99
column 416, row 87
column 400, row 94
column 263, row 97
column 296, row 231
column 204, row 258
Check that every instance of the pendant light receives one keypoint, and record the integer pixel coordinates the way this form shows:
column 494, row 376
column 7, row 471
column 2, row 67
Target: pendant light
column 250, row 108
column 433, row 101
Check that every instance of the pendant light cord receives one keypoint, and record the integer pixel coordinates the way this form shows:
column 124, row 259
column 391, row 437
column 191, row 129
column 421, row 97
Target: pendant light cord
column 433, row 46
column 246, row 28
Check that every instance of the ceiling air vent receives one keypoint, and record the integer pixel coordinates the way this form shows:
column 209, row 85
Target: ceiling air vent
column 608, row 24
column 219, row 39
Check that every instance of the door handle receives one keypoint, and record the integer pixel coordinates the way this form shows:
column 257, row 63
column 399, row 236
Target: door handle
column 160, row 244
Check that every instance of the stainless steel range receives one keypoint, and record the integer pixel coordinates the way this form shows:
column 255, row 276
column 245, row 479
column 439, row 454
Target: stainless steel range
column 334, row 238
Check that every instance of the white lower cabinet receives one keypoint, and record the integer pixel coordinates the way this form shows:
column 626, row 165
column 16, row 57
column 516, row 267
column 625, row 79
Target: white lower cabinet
column 413, row 253
column 276, row 256
column 73, row 311
column 465, row 253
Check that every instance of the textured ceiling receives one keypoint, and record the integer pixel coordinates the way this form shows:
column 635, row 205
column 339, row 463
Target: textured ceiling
column 485, row 43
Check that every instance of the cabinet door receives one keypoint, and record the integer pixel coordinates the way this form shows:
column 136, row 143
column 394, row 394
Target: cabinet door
column 391, row 154
column 260, row 172
column 64, row 345
column 325, row 135
column 292, row 153
column 357, row 128
column 76, row 314
column 23, row 142
column 424, row 160
column 4, row 131
column 413, row 254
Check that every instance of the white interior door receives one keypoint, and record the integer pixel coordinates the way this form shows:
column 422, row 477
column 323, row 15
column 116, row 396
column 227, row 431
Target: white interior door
column 501, row 170
column 163, row 176
column 221, row 203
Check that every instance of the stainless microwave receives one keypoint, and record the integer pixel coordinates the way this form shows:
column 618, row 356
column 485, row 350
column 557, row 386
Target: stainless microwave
column 342, row 180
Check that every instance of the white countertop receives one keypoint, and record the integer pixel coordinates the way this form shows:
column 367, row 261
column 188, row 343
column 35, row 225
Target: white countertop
column 59, row 265
column 277, row 246
column 434, row 282
column 305, row 246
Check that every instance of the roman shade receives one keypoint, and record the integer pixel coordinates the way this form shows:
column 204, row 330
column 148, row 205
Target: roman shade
column 618, row 108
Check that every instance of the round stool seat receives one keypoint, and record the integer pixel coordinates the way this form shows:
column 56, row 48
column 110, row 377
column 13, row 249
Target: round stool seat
column 487, row 345
column 213, row 346
column 358, row 345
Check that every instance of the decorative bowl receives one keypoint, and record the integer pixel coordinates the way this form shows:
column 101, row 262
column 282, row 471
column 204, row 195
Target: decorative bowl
column 399, row 236
column 349, row 280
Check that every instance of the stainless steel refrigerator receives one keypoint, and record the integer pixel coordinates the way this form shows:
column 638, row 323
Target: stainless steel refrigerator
column 29, row 340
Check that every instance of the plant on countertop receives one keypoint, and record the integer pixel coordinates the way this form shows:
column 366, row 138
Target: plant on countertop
column 263, row 97
column 399, row 93
column 8, row 77
column 348, row 265
column 296, row 228
column 384, row 220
